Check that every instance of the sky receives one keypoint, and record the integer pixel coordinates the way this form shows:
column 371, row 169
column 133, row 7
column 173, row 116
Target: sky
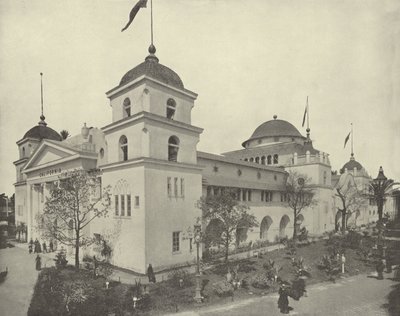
column 247, row 60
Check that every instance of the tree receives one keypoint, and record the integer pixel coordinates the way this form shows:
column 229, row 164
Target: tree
column 299, row 195
column 229, row 213
column 74, row 202
column 64, row 134
column 350, row 198
column 381, row 189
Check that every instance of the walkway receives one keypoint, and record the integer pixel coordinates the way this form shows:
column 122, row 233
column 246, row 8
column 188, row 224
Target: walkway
column 359, row 295
column 16, row 291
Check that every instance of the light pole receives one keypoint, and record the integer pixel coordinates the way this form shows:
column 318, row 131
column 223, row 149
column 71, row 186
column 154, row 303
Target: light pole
column 379, row 182
column 197, row 240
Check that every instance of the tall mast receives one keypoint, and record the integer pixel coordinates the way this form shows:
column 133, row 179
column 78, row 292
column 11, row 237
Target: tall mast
column 352, row 148
column 42, row 118
column 151, row 24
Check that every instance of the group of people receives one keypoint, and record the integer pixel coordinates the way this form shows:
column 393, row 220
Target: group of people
column 37, row 247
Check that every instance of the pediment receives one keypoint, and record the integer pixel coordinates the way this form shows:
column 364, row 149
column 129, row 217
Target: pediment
column 48, row 153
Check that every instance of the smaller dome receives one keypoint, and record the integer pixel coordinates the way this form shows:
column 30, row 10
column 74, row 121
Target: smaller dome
column 41, row 131
column 351, row 164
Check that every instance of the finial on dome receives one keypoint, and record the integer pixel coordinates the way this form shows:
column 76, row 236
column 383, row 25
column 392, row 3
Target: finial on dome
column 42, row 122
column 275, row 117
column 152, row 51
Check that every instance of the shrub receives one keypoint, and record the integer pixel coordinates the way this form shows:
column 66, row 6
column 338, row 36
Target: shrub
column 352, row 240
column 246, row 266
column 223, row 288
column 303, row 235
column 259, row 281
column 272, row 270
column 60, row 260
column 176, row 275
column 330, row 265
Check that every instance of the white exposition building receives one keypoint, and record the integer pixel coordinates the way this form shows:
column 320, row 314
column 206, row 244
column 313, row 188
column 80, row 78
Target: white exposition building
column 148, row 156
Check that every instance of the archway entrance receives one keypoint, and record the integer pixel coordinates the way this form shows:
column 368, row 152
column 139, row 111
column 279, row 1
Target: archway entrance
column 282, row 226
column 264, row 227
column 241, row 232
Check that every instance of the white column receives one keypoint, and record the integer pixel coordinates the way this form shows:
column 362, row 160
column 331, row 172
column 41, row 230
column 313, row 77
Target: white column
column 307, row 156
column 29, row 210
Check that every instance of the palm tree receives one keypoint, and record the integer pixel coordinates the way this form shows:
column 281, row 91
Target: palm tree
column 381, row 189
column 64, row 134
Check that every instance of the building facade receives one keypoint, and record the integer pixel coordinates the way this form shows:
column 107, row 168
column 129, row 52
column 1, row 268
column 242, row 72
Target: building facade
column 148, row 156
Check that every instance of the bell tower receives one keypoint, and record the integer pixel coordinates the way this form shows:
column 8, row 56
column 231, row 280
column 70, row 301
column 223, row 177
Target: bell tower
column 152, row 147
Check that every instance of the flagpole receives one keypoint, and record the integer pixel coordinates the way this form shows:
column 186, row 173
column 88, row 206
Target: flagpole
column 151, row 14
column 308, row 115
column 41, row 91
column 352, row 151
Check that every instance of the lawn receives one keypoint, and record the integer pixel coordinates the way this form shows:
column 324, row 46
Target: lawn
column 60, row 289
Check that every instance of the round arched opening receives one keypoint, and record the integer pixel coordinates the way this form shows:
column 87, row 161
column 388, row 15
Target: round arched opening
column 282, row 226
column 264, row 227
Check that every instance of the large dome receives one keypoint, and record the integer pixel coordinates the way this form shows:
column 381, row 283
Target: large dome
column 152, row 68
column 41, row 131
column 274, row 128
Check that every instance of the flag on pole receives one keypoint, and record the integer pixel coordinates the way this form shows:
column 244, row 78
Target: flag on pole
column 346, row 140
column 305, row 113
column 134, row 11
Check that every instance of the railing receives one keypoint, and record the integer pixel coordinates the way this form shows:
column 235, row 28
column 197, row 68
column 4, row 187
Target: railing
column 88, row 147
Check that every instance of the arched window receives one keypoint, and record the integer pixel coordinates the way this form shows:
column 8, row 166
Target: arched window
column 171, row 107
column 251, row 159
column 263, row 160
column 269, row 159
column 123, row 145
column 245, row 159
column 23, row 151
column 275, row 159
column 122, row 199
column 173, row 148
column 127, row 107
column 257, row 159
column 101, row 153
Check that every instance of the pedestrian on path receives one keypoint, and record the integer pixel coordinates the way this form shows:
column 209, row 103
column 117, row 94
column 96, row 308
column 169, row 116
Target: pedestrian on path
column 379, row 268
column 51, row 246
column 283, row 301
column 38, row 263
column 150, row 274
column 30, row 248
column 44, row 247
column 37, row 248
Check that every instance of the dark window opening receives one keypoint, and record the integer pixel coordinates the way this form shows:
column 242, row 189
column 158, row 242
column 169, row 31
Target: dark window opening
column 127, row 107
column 123, row 143
column 171, row 107
column 173, row 148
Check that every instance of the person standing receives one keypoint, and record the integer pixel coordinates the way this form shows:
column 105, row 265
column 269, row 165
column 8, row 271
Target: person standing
column 379, row 269
column 44, row 247
column 51, row 246
column 38, row 263
column 150, row 274
column 283, row 301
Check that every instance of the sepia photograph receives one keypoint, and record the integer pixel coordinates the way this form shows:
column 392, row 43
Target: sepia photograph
column 199, row 157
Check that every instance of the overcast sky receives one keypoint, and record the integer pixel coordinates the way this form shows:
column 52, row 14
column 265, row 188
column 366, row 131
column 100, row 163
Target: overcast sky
column 247, row 60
